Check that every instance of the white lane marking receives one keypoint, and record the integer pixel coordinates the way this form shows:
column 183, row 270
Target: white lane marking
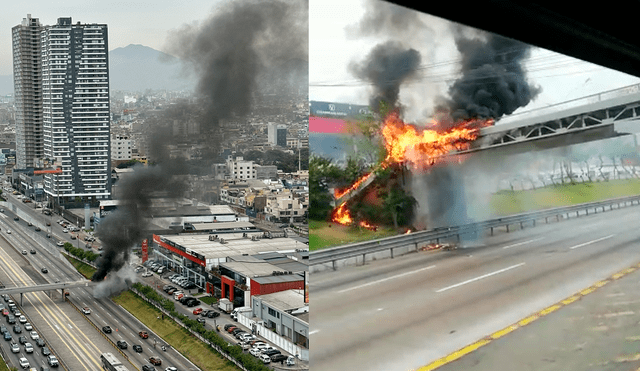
column 314, row 332
column 590, row 242
column 522, row 243
column 386, row 279
column 481, row 277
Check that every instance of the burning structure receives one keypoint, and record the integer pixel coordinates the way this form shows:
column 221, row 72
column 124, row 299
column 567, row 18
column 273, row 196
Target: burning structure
column 492, row 83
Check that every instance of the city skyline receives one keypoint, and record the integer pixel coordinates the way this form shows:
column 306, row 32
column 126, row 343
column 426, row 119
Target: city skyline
column 142, row 22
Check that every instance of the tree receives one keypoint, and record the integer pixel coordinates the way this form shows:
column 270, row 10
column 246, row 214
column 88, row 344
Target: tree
column 322, row 172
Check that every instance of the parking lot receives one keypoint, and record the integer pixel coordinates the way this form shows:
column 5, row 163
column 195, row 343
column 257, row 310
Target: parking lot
column 180, row 289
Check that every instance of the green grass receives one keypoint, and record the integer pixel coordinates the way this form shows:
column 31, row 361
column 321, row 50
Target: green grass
column 196, row 351
column 209, row 300
column 515, row 202
column 84, row 269
column 325, row 234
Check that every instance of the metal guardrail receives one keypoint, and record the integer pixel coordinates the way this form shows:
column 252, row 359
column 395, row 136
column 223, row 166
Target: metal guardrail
column 361, row 249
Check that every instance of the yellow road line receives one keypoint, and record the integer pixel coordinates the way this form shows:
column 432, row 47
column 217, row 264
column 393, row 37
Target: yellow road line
column 570, row 300
column 552, row 308
column 455, row 355
column 528, row 320
column 503, row 332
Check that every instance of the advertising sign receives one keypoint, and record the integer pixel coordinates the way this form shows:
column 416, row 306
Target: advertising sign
column 145, row 250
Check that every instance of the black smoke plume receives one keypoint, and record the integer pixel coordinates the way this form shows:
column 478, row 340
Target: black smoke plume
column 493, row 81
column 240, row 43
column 236, row 46
column 124, row 229
column 387, row 66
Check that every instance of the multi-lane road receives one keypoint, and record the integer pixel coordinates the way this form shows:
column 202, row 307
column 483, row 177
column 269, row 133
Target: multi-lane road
column 402, row 313
column 74, row 337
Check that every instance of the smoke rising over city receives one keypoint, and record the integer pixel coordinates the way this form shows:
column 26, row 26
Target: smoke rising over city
column 229, row 52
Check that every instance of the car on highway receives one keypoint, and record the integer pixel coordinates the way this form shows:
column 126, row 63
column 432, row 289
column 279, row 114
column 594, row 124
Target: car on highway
column 148, row 367
column 86, row 310
column 143, row 334
column 11, row 319
column 170, row 368
column 16, row 219
column 37, row 229
column 17, row 329
column 22, row 319
column 24, row 363
column 3, row 329
column 7, row 336
column 106, row 329
column 60, row 243
column 24, row 252
column 5, row 312
column 22, row 339
column 15, row 348
column 28, row 347
column 155, row 361
column 137, row 348
column 27, row 326
column 40, row 342
column 45, row 351
column 34, row 335
column 44, row 270
column 52, row 360
column 122, row 344
column 8, row 231
column 33, row 251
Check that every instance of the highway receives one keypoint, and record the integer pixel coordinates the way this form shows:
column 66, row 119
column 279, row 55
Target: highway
column 75, row 338
column 402, row 313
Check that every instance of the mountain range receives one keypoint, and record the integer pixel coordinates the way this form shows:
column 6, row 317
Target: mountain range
column 135, row 68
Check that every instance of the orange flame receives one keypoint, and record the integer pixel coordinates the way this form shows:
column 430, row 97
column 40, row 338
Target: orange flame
column 421, row 147
column 341, row 215
column 365, row 224
column 341, row 192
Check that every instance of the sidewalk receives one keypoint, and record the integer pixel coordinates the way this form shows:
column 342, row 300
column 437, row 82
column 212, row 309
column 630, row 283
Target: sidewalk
column 596, row 329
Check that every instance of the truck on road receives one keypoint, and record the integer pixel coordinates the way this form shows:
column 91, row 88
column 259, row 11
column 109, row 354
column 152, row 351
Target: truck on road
column 237, row 311
column 225, row 305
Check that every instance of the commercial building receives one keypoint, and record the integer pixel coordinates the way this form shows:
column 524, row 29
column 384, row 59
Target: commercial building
column 75, row 111
column 239, row 168
column 27, row 82
column 277, row 134
column 120, row 148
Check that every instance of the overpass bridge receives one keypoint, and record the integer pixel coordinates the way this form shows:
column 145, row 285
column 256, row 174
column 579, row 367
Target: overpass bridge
column 595, row 117
column 599, row 116
column 47, row 287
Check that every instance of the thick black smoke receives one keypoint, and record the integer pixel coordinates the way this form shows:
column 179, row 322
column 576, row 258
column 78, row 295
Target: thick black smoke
column 124, row 229
column 493, row 81
column 238, row 44
column 387, row 66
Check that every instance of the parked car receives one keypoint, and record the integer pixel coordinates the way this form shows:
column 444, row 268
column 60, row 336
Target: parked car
column 279, row 358
column 212, row 314
column 264, row 358
column 197, row 311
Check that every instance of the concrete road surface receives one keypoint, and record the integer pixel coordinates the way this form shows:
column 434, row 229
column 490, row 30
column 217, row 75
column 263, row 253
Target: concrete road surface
column 403, row 313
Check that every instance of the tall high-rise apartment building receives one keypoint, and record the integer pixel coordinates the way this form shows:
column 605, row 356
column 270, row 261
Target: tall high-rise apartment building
column 277, row 134
column 74, row 77
column 27, row 81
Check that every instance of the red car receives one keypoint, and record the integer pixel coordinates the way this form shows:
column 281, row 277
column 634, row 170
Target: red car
column 143, row 334
column 5, row 312
column 197, row 311
column 155, row 361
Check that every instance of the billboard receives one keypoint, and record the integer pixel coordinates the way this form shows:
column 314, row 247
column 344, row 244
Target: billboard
column 145, row 250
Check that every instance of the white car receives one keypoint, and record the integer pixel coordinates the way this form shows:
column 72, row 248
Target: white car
column 28, row 327
column 28, row 347
column 264, row 358
column 86, row 310
column 147, row 274
column 24, row 363
column 8, row 231
column 65, row 230
column 22, row 319
column 261, row 346
column 255, row 352
column 34, row 335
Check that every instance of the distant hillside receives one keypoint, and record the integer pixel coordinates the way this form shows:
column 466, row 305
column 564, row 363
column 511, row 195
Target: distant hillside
column 135, row 68
column 139, row 67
